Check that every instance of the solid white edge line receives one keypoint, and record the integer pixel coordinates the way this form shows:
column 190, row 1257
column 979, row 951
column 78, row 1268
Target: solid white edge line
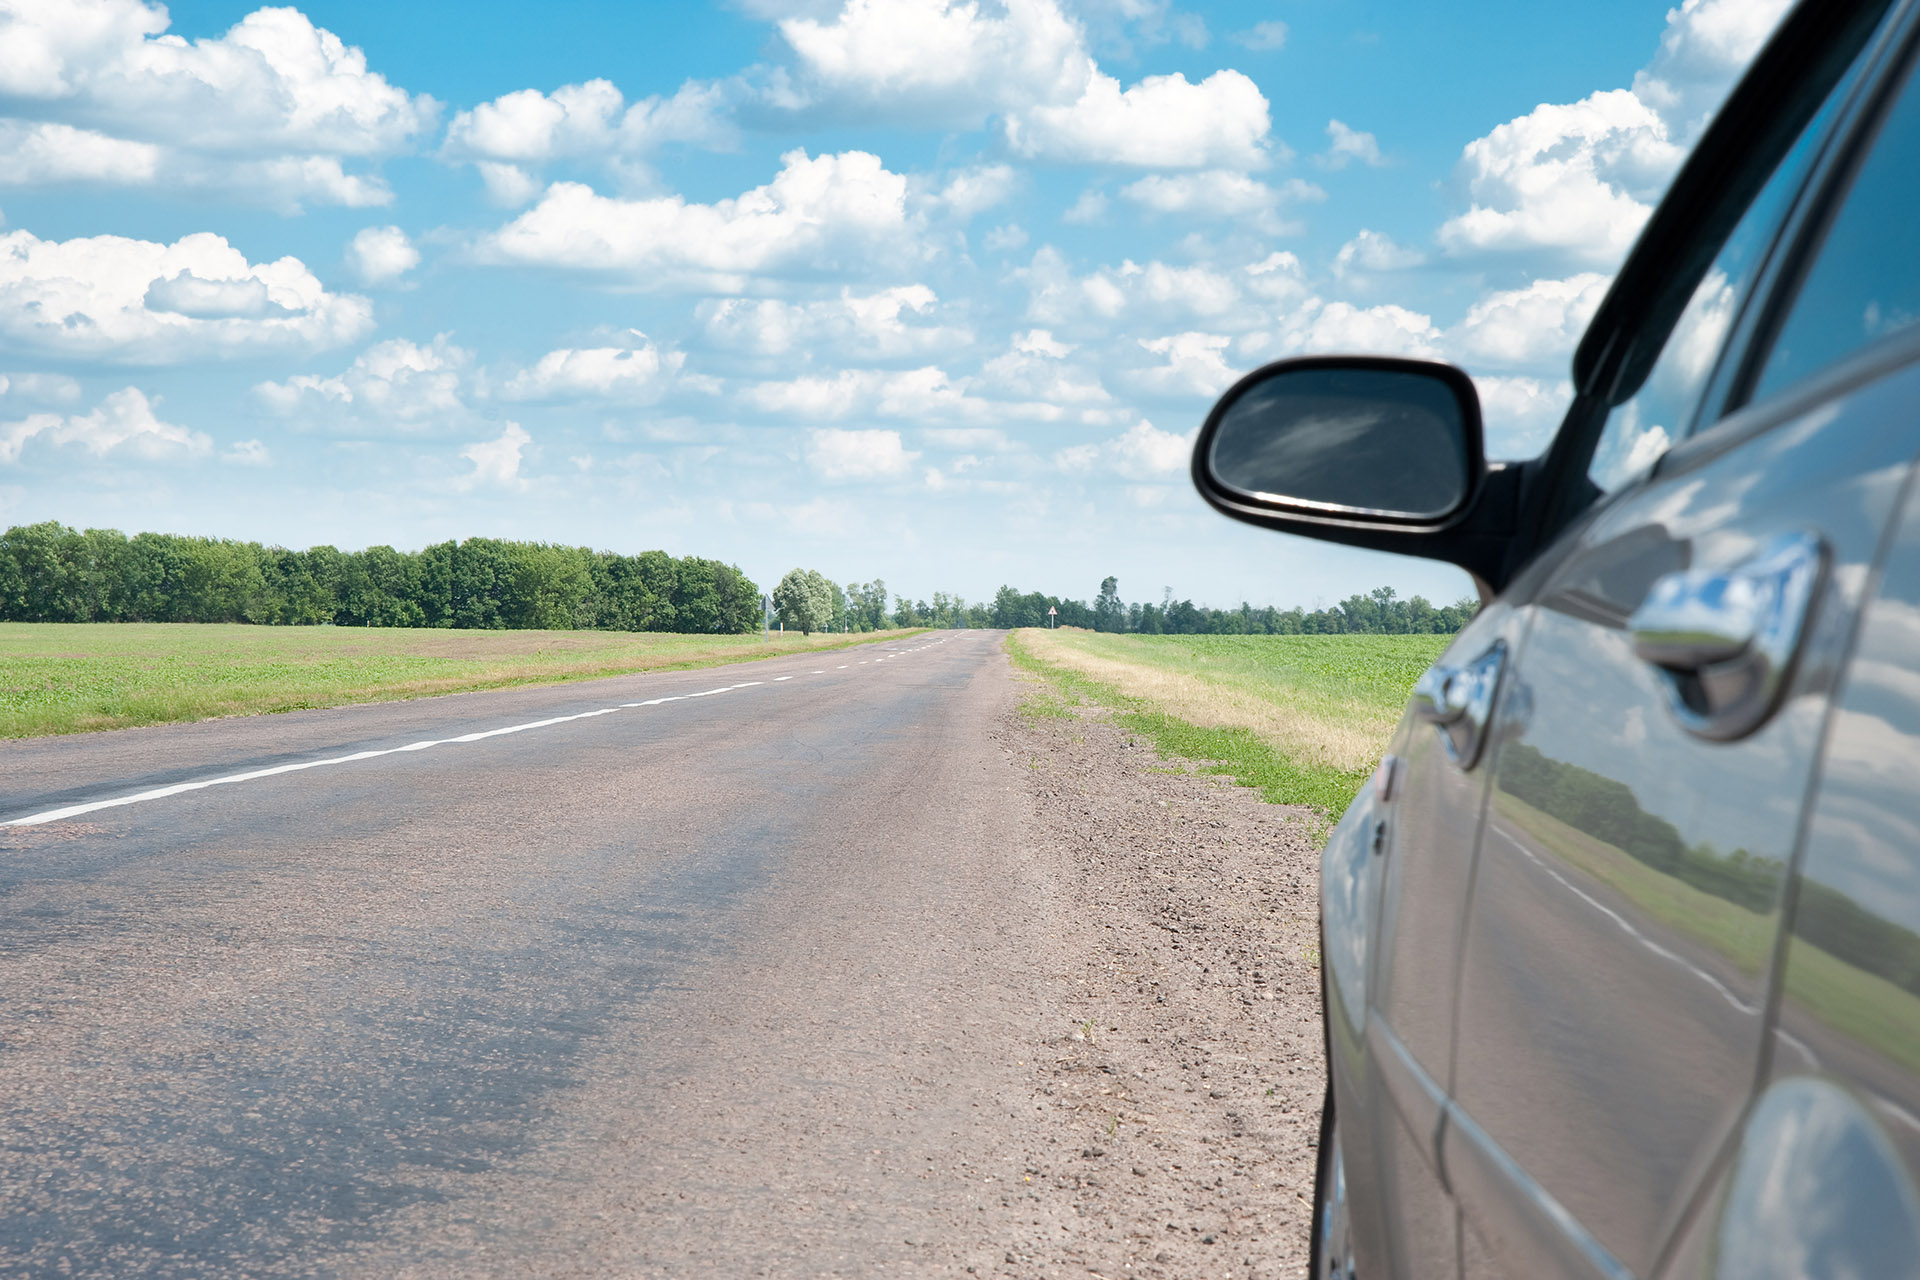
column 181, row 788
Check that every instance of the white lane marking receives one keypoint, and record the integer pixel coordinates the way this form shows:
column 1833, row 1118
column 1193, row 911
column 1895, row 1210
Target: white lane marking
column 1632, row 932
column 1800, row 1047
column 1897, row 1111
column 816, row 673
column 841, row 667
column 778, row 679
column 181, row 788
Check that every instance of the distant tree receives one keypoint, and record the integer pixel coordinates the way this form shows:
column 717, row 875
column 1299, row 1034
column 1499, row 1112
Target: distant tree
column 803, row 601
column 1108, row 613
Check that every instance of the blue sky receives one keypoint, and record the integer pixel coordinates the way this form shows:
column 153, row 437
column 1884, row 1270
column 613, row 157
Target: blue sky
column 929, row 291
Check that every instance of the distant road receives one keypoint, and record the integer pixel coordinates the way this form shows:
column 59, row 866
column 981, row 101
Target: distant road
column 662, row 974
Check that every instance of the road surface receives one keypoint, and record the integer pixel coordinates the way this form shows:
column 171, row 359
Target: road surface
column 710, row 983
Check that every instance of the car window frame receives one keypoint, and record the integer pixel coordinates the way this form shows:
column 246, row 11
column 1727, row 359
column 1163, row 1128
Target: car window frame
column 1898, row 72
column 1727, row 413
column 1563, row 498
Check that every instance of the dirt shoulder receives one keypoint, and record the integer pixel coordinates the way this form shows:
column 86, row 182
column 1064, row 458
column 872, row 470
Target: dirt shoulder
column 1178, row 1117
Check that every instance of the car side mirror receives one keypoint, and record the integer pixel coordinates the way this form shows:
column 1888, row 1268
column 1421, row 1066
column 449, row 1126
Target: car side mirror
column 1355, row 440
column 1369, row 451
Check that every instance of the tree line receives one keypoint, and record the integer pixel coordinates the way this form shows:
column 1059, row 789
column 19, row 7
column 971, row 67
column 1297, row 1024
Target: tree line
column 807, row 601
column 51, row 573
column 1607, row 809
column 1377, row 612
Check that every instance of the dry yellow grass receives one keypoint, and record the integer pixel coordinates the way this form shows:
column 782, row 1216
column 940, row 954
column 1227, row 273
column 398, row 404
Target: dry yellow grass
column 1335, row 711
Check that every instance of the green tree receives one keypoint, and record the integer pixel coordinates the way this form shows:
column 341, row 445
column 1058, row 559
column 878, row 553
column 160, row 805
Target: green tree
column 803, row 601
column 1108, row 613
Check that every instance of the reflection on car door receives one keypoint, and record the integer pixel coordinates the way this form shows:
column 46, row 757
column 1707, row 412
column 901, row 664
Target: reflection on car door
column 1432, row 825
column 1615, row 967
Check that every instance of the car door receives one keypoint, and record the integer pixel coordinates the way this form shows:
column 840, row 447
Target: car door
column 1826, row 1177
column 1652, row 763
column 1428, row 804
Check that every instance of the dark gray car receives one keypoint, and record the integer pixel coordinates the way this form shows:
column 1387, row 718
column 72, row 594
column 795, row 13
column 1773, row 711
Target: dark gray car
column 1622, row 945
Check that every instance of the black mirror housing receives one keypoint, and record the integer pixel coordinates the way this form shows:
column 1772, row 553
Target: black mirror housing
column 1370, row 451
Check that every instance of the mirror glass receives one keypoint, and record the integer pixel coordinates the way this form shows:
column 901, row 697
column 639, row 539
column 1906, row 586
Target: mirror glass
column 1383, row 441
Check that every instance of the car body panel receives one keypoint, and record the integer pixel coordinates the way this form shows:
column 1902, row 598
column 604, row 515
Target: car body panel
column 1616, row 972
column 1815, row 1188
column 1850, row 1003
column 1640, row 987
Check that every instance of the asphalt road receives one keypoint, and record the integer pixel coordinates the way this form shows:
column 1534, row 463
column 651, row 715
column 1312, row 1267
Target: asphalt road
column 712, row 984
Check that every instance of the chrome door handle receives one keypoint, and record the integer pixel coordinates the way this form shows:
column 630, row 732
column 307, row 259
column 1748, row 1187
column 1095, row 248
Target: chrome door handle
column 1724, row 642
column 1459, row 700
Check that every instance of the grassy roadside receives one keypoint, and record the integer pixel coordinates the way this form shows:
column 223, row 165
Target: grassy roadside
column 1302, row 718
column 73, row 678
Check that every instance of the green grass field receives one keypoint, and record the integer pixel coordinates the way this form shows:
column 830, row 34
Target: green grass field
column 1303, row 718
column 71, row 678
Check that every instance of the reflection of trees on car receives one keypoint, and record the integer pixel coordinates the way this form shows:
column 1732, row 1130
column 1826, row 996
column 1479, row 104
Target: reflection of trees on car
column 1607, row 810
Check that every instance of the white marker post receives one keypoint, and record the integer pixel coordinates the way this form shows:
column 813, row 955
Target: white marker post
column 1050, row 612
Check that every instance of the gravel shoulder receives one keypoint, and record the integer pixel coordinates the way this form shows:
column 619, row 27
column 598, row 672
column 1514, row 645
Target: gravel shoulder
column 1179, row 1113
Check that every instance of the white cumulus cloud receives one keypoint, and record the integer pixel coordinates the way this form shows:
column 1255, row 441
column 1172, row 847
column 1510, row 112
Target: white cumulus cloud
column 941, row 61
column 1533, row 327
column 1224, row 295
column 510, row 138
column 141, row 302
column 1576, row 181
column 972, row 191
column 887, row 322
column 1163, row 122
column 961, row 62
column 1346, row 144
column 1193, row 364
column 1221, row 193
column 496, row 462
column 39, row 153
column 381, row 255
column 835, row 454
column 247, row 453
column 1373, row 251
column 1521, row 413
column 122, row 422
column 639, row 372
column 819, row 214
column 926, row 392
column 393, row 384
column 97, row 91
column 1142, row 452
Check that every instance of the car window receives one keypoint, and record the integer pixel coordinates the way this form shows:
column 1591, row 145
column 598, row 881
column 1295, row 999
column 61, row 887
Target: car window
column 1864, row 283
column 1642, row 428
